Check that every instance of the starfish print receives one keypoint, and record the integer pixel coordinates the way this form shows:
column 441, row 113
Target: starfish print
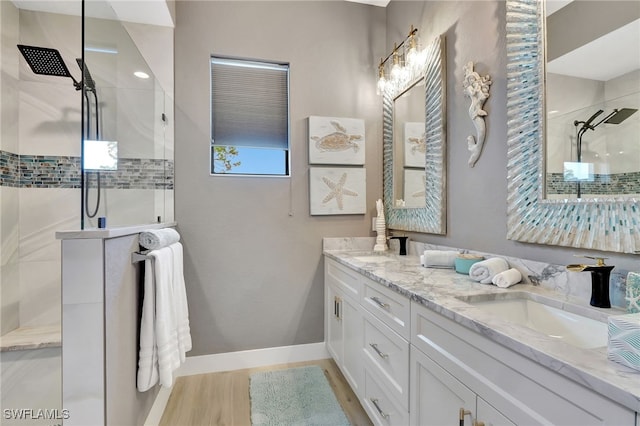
column 633, row 299
column 422, row 193
column 337, row 190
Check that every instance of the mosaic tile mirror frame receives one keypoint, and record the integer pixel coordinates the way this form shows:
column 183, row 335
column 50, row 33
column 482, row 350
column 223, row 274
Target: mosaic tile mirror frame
column 608, row 225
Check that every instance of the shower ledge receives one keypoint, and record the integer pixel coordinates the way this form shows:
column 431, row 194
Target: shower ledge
column 111, row 232
column 25, row 338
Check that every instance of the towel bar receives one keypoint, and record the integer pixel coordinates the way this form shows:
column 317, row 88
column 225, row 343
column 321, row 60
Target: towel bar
column 139, row 256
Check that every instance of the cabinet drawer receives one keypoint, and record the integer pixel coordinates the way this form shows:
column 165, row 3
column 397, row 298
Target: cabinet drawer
column 381, row 407
column 387, row 354
column 348, row 280
column 388, row 306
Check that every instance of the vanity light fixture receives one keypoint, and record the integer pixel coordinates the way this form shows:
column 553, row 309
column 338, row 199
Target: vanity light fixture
column 400, row 60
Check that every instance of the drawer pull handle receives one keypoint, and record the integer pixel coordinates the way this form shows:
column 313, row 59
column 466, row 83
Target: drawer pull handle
column 380, row 303
column 378, row 351
column 375, row 404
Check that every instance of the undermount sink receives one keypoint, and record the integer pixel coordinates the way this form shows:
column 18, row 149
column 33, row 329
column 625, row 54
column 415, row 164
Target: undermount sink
column 372, row 259
column 577, row 328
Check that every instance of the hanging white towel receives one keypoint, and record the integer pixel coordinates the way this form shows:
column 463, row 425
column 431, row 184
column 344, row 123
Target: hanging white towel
column 180, row 299
column 148, row 356
column 507, row 278
column 164, row 335
column 485, row 270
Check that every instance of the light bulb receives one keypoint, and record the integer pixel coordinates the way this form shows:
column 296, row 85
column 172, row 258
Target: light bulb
column 382, row 83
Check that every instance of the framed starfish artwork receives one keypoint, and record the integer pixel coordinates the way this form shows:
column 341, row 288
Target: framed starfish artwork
column 337, row 190
column 415, row 182
column 334, row 140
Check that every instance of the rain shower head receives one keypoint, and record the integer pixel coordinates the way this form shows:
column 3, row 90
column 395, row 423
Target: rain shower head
column 619, row 115
column 46, row 61
column 89, row 82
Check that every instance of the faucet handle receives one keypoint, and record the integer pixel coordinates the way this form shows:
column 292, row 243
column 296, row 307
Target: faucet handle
column 599, row 260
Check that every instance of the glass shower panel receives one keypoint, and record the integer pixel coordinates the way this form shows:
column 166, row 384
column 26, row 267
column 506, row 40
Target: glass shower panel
column 127, row 106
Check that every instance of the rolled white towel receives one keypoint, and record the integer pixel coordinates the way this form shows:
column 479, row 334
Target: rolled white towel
column 439, row 258
column 507, row 278
column 155, row 239
column 485, row 270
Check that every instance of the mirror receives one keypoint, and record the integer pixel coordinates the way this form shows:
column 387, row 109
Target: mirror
column 409, row 148
column 608, row 224
column 419, row 102
column 592, row 99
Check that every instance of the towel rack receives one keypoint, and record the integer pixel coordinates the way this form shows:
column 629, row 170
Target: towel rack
column 139, row 256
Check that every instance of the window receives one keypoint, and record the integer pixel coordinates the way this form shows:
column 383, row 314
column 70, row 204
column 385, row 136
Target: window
column 249, row 117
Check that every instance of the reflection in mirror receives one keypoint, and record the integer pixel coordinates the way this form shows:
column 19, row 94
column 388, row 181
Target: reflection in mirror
column 410, row 147
column 592, row 99
column 426, row 86
column 600, row 223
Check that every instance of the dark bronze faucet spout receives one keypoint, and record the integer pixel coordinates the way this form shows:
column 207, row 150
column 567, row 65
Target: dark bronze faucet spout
column 600, row 285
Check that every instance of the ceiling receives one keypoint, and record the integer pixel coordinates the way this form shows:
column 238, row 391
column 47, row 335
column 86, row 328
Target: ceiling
column 154, row 12
column 381, row 3
column 602, row 59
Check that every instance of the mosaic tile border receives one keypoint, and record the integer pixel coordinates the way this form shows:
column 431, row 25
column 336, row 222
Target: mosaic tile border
column 40, row 171
column 615, row 183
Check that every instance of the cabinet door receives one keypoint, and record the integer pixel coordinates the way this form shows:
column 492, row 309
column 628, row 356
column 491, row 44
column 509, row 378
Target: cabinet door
column 352, row 366
column 489, row 416
column 333, row 323
column 436, row 396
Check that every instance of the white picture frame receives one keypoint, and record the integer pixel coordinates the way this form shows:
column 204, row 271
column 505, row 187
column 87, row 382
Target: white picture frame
column 337, row 190
column 415, row 195
column 414, row 137
column 334, row 140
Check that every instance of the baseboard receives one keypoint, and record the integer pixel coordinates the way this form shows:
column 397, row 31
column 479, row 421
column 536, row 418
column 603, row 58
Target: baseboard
column 236, row 361
column 252, row 358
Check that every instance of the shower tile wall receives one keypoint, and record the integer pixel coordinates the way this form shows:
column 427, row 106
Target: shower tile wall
column 40, row 164
column 9, row 265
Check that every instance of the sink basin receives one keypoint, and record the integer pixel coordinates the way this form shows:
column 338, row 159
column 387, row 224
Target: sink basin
column 536, row 312
column 372, row 259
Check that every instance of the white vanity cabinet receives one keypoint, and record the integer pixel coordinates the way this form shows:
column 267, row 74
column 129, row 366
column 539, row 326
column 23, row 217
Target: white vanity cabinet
column 343, row 321
column 496, row 384
column 367, row 334
column 438, row 398
column 411, row 365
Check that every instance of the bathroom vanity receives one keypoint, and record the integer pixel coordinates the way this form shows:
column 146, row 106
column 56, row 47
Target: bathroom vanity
column 425, row 346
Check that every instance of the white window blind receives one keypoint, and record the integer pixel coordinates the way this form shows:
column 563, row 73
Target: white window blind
column 249, row 104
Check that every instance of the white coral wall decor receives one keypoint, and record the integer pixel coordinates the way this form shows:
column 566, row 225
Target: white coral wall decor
column 334, row 140
column 337, row 190
column 477, row 89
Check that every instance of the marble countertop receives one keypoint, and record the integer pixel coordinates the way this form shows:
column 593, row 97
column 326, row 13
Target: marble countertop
column 440, row 289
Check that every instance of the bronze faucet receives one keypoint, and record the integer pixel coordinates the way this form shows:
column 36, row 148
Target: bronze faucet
column 600, row 274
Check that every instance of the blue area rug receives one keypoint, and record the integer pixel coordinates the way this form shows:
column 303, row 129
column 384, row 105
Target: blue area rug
column 296, row 396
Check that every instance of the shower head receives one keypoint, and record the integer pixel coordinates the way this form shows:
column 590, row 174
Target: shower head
column 619, row 115
column 89, row 82
column 46, row 61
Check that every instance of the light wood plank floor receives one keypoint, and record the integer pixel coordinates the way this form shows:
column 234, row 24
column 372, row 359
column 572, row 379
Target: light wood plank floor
column 223, row 398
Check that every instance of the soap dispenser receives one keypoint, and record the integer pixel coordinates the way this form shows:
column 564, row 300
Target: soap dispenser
column 600, row 274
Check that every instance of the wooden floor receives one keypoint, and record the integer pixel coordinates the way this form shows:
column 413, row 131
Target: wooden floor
column 223, row 398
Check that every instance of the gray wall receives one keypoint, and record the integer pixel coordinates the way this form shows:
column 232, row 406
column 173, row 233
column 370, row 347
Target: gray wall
column 253, row 254
column 254, row 273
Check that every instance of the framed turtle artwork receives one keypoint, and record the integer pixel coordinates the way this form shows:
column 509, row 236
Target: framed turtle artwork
column 334, row 140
